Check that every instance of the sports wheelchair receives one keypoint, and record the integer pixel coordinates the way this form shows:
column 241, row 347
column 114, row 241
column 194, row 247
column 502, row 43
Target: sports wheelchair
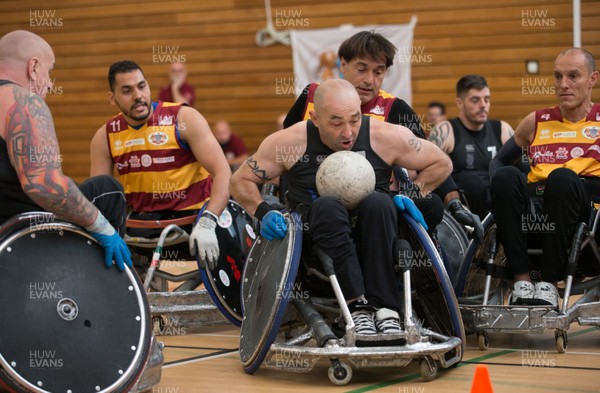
column 484, row 282
column 68, row 323
column 187, row 307
column 276, row 336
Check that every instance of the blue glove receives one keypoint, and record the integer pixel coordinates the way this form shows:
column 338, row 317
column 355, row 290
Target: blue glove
column 404, row 203
column 114, row 248
column 273, row 225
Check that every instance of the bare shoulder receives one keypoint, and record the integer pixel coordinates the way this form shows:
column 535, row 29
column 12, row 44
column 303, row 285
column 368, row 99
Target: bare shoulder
column 525, row 130
column 291, row 136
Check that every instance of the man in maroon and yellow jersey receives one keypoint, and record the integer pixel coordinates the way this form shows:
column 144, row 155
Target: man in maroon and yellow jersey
column 564, row 153
column 166, row 156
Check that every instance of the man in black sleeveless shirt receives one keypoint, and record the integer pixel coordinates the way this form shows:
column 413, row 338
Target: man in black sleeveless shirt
column 472, row 140
column 358, row 241
column 31, row 177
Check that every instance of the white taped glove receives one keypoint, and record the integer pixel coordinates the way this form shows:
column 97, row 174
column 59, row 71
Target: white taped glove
column 204, row 239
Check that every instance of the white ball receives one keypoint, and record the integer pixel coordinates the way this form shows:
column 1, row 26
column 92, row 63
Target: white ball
column 346, row 175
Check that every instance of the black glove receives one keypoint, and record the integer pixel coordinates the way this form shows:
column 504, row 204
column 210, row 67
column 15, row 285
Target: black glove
column 465, row 217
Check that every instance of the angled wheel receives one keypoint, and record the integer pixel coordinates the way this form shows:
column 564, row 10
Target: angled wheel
column 68, row 323
column 267, row 287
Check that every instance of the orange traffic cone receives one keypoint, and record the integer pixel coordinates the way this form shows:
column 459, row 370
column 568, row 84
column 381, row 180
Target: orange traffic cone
column 481, row 381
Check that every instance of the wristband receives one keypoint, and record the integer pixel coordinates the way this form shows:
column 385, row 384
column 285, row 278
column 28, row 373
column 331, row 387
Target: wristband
column 454, row 205
column 262, row 209
column 101, row 226
column 210, row 215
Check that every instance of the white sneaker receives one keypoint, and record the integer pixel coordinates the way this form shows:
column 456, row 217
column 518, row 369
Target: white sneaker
column 546, row 293
column 388, row 321
column 522, row 292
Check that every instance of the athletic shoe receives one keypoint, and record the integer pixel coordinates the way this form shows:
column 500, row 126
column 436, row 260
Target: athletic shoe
column 363, row 316
column 522, row 293
column 546, row 293
column 388, row 321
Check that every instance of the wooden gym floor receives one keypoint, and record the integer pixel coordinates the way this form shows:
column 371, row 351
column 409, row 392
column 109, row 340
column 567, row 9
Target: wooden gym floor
column 209, row 362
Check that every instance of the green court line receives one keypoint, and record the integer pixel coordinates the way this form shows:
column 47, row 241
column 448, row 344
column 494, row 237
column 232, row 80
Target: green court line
column 461, row 364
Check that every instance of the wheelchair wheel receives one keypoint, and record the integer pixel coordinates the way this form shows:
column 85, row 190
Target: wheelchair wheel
column 235, row 233
column 68, row 323
column 267, row 288
column 433, row 295
column 454, row 243
column 471, row 274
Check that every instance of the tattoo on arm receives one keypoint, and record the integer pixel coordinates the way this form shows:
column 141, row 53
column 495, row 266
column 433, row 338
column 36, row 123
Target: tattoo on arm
column 415, row 143
column 439, row 134
column 260, row 173
column 34, row 153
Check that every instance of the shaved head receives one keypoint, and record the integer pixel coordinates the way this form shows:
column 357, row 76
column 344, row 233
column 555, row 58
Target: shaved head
column 337, row 113
column 26, row 59
column 334, row 91
column 19, row 46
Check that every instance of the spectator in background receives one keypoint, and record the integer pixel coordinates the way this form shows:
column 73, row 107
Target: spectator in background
column 233, row 146
column 179, row 91
column 436, row 113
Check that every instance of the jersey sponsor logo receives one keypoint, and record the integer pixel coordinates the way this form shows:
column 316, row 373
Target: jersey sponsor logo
column 378, row 110
column 591, row 132
column 118, row 145
column 158, row 138
column 163, row 160
column 165, row 120
column 134, row 161
column 122, row 165
column 146, row 160
column 564, row 134
column 562, row 153
column 545, row 134
column 576, row 152
column 321, row 157
column 595, row 148
column 134, row 142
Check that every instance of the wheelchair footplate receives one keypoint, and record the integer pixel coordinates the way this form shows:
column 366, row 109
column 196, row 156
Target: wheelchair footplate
column 511, row 318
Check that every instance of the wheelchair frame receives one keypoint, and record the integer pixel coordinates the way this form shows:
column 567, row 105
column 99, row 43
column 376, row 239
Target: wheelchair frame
column 429, row 347
column 493, row 315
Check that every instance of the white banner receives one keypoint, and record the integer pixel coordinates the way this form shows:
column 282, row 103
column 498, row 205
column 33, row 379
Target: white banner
column 315, row 55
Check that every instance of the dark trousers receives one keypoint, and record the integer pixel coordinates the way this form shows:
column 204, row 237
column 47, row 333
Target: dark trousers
column 476, row 191
column 432, row 208
column 106, row 193
column 552, row 217
column 360, row 245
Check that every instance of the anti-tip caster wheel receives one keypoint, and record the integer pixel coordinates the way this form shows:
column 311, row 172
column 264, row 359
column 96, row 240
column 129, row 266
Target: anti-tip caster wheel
column 562, row 341
column 158, row 325
column 483, row 341
column 339, row 373
column 428, row 369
